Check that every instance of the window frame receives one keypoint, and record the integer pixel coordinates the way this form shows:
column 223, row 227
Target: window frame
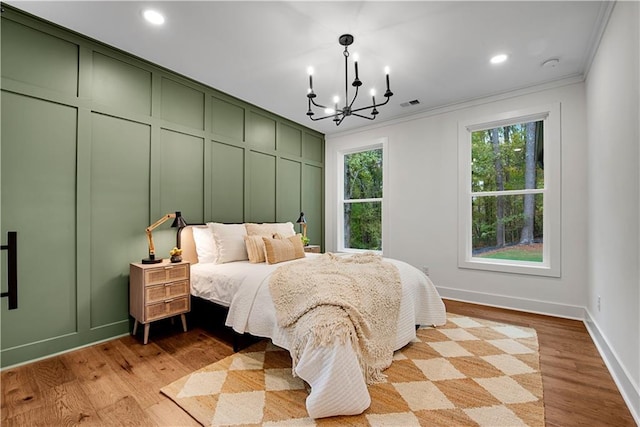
column 380, row 143
column 550, row 265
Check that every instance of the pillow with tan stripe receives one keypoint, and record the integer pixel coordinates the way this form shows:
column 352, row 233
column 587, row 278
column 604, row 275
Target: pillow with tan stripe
column 255, row 248
column 280, row 250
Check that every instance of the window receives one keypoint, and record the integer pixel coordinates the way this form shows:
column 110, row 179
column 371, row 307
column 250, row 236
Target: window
column 509, row 193
column 361, row 208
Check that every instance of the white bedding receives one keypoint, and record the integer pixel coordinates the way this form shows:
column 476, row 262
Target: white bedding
column 337, row 383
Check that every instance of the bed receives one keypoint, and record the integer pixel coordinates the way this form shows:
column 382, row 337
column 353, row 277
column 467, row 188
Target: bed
column 334, row 373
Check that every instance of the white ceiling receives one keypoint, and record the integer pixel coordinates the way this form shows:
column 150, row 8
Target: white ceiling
column 438, row 52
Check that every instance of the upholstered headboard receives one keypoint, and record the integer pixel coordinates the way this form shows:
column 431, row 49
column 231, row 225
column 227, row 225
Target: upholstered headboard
column 187, row 244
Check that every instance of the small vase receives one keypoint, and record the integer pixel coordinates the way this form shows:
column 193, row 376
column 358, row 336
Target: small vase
column 176, row 258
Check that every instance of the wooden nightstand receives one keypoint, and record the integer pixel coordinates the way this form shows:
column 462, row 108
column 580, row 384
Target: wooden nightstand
column 315, row 249
column 158, row 291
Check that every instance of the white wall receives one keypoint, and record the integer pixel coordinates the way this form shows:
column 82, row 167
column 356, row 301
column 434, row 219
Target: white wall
column 600, row 200
column 422, row 202
column 613, row 117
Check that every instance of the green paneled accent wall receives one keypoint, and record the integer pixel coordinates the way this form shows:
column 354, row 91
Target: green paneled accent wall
column 290, row 140
column 227, row 119
column 39, row 59
column 98, row 144
column 120, row 85
column 312, row 201
column 182, row 104
column 313, row 147
column 227, row 182
column 262, row 184
column 38, row 201
column 289, row 184
column 262, row 132
column 119, row 210
column 182, row 175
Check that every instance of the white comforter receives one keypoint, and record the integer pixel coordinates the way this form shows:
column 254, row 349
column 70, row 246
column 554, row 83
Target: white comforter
column 337, row 383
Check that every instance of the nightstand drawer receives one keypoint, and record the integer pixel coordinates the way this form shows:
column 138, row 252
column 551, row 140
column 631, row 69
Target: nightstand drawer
column 165, row 274
column 315, row 249
column 169, row 307
column 166, row 291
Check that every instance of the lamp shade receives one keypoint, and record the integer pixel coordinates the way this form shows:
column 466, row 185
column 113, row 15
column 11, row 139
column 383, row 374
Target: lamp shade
column 301, row 219
column 179, row 221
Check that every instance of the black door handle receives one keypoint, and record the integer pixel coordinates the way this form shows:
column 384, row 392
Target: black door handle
column 12, row 269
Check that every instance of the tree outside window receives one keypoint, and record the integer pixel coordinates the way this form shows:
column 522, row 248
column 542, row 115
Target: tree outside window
column 507, row 186
column 362, row 200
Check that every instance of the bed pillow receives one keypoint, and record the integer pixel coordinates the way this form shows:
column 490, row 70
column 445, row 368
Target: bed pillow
column 229, row 240
column 255, row 248
column 205, row 245
column 268, row 229
column 280, row 250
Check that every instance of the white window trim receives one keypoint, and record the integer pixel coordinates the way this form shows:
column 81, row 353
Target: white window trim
column 551, row 194
column 377, row 144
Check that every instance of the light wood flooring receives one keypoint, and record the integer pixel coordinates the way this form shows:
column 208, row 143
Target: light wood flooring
column 117, row 382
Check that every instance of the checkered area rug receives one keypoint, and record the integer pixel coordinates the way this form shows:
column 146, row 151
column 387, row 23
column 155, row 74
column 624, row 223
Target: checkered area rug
column 469, row 372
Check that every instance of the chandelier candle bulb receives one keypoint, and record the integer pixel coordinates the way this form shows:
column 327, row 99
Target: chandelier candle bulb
column 386, row 72
column 355, row 61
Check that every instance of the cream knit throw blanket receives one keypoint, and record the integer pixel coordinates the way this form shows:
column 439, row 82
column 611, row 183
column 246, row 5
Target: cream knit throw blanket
column 340, row 299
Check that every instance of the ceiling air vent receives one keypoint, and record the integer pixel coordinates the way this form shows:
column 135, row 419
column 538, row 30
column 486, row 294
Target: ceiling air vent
column 410, row 103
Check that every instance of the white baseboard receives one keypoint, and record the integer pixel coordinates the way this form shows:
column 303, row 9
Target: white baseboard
column 629, row 391
column 520, row 304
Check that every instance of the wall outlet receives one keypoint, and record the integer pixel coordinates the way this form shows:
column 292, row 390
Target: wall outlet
column 425, row 270
column 598, row 302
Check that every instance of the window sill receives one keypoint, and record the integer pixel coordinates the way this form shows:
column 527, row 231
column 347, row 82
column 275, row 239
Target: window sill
column 515, row 267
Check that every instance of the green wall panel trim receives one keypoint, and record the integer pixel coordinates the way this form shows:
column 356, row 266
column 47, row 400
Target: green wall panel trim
column 121, row 85
column 313, row 202
column 262, row 187
column 252, row 165
column 182, row 104
column 227, row 119
column 227, row 183
column 262, row 132
column 119, row 212
column 290, row 140
column 313, row 147
column 38, row 202
column 39, row 59
column 289, row 190
column 181, row 184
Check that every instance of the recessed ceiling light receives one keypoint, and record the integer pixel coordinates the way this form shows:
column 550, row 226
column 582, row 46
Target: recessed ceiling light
column 499, row 58
column 153, row 17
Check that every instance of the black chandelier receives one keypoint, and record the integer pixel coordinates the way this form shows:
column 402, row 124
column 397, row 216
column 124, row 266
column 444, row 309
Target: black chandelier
column 337, row 114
